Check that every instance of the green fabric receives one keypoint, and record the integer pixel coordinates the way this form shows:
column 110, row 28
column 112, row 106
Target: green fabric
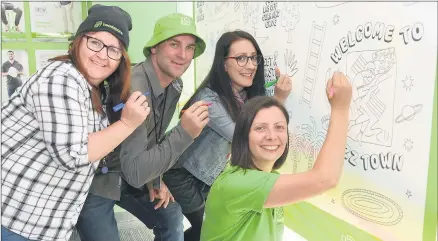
column 172, row 25
column 234, row 209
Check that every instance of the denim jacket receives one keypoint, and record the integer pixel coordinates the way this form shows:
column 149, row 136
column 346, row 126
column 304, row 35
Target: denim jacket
column 207, row 156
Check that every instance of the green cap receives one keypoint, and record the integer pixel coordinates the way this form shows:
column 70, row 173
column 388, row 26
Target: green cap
column 172, row 25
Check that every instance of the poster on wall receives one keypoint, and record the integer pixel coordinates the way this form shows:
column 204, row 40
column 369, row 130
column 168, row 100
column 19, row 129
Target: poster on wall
column 388, row 51
column 13, row 22
column 55, row 21
column 42, row 56
column 15, row 70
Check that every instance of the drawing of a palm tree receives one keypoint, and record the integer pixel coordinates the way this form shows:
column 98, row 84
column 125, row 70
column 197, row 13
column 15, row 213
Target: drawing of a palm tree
column 305, row 143
column 313, row 140
column 296, row 148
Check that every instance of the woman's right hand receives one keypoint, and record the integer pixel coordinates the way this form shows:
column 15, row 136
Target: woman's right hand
column 135, row 111
column 339, row 92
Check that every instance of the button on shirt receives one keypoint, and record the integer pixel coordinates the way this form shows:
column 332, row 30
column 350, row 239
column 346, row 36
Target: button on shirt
column 46, row 174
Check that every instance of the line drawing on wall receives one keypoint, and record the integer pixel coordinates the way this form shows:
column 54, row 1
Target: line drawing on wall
column 295, row 144
column 236, row 6
column 408, row 83
column 329, row 4
column 373, row 77
column 336, row 19
column 409, row 144
column 229, row 26
column 290, row 62
column 409, row 193
column 211, row 40
column 325, row 121
column 305, row 142
column 408, row 113
column 290, row 16
column 200, row 11
column 218, row 10
column 312, row 64
column 372, row 206
column 251, row 16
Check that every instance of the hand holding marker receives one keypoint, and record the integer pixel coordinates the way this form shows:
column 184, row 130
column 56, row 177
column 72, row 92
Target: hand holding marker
column 121, row 105
column 329, row 75
column 277, row 74
column 272, row 83
column 208, row 104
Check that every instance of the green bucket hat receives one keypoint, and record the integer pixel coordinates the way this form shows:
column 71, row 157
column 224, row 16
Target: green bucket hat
column 172, row 25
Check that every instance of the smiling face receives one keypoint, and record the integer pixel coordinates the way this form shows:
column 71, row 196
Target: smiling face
column 268, row 137
column 241, row 77
column 97, row 65
column 173, row 56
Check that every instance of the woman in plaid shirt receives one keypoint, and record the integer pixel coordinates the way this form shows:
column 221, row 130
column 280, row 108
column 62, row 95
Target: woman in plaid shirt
column 54, row 129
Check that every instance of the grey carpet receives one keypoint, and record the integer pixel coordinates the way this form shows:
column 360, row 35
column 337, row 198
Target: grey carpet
column 130, row 229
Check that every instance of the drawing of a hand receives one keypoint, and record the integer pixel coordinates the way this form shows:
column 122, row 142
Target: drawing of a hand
column 291, row 63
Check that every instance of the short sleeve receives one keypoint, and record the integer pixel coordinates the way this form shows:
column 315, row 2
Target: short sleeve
column 4, row 70
column 246, row 190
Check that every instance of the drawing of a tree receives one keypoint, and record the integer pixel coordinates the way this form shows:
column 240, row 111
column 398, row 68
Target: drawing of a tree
column 305, row 142
column 289, row 18
column 313, row 142
column 296, row 148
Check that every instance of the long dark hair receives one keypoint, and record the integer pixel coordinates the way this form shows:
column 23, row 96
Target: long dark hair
column 218, row 79
column 118, row 82
column 240, row 152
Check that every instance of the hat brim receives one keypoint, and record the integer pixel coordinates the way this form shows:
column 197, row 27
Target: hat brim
column 199, row 45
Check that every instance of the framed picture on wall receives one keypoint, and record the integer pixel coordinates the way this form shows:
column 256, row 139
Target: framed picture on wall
column 42, row 56
column 15, row 70
column 55, row 21
column 13, row 22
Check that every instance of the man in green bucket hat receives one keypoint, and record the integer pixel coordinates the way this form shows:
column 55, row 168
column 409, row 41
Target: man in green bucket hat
column 131, row 175
column 173, row 25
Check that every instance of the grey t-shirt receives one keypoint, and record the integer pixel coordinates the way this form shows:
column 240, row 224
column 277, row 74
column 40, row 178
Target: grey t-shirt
column 5, row 68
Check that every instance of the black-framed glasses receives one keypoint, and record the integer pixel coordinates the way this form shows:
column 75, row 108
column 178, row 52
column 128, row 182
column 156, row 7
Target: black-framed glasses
column 96, row 45
column 242, row 60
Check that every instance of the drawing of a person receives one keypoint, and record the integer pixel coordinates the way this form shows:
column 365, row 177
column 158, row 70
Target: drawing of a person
column 13, row 70
column 367, row 107
column 6, row 6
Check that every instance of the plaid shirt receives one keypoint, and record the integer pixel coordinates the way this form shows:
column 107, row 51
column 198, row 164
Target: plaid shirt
column 46, row 174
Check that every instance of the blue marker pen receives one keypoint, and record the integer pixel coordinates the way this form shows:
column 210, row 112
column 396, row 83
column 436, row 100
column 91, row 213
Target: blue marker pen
column 121, row 105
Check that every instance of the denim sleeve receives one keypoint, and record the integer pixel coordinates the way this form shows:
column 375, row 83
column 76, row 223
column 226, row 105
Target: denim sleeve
column 220, row 120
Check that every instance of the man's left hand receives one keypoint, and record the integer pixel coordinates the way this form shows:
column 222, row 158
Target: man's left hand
column 163, row 194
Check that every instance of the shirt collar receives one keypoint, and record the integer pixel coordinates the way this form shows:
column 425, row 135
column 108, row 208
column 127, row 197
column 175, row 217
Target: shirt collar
column 153, row 77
